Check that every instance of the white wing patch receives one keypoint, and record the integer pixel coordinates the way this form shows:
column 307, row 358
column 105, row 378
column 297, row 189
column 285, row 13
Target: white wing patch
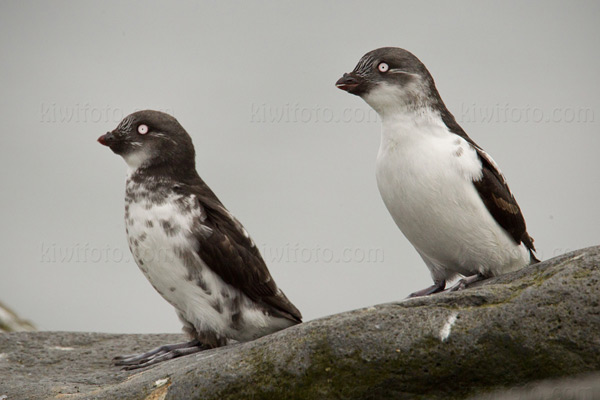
column 491, row 161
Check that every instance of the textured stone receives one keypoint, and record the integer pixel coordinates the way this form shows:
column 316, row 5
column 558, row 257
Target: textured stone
column 542, row 322
column 581, row 387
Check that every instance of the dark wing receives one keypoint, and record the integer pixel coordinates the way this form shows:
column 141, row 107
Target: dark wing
column 500, row 202
column 230, row 253
column 494, row 191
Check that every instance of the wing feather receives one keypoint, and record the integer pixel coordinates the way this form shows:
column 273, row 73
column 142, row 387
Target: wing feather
column 230, row 253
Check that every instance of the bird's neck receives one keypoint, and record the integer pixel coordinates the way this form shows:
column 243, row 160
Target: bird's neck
column 165, row 172
column 409, row 124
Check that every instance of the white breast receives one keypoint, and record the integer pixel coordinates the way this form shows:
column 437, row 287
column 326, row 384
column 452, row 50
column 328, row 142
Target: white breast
column 425, row 174
column 160, row 240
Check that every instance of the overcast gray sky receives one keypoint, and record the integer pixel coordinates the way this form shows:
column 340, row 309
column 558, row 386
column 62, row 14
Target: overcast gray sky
column 289, row 154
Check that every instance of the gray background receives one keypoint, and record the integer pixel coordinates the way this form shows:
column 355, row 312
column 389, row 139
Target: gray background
column 290, row 155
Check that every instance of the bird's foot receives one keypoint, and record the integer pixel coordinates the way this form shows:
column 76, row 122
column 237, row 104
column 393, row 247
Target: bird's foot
column 159, row 354
column 465, row 282
column 435, row 288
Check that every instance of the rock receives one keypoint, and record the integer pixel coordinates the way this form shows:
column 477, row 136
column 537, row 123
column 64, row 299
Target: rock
column 585, row 387
column 10, row 322
column 542, row 322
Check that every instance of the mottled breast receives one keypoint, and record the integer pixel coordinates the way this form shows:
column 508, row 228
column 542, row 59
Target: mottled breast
column 160, row 223
column 165, row 229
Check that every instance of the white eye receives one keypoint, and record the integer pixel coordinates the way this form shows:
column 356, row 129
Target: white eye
column 383, row 67
column 143, row 129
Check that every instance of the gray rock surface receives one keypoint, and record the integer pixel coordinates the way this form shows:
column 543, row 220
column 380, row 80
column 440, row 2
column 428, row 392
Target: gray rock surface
column 542, row 322
column 583, row 387
column 11, row 322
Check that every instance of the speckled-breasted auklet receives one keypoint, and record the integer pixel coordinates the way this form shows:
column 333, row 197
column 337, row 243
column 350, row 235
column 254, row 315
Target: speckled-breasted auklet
column 192, row 250
column 445, row 193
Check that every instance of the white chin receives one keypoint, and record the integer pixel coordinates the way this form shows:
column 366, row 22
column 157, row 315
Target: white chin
column 384, row 95
column 136, row 159
column 386, row 98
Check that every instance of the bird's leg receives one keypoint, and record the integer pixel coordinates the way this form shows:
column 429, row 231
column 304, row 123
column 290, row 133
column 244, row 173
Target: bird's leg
column 465, row 282
column 437, row 287
column 159, row 354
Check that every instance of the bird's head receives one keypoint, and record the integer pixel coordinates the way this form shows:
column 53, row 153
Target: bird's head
column 151, row 139
column 390, row 78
